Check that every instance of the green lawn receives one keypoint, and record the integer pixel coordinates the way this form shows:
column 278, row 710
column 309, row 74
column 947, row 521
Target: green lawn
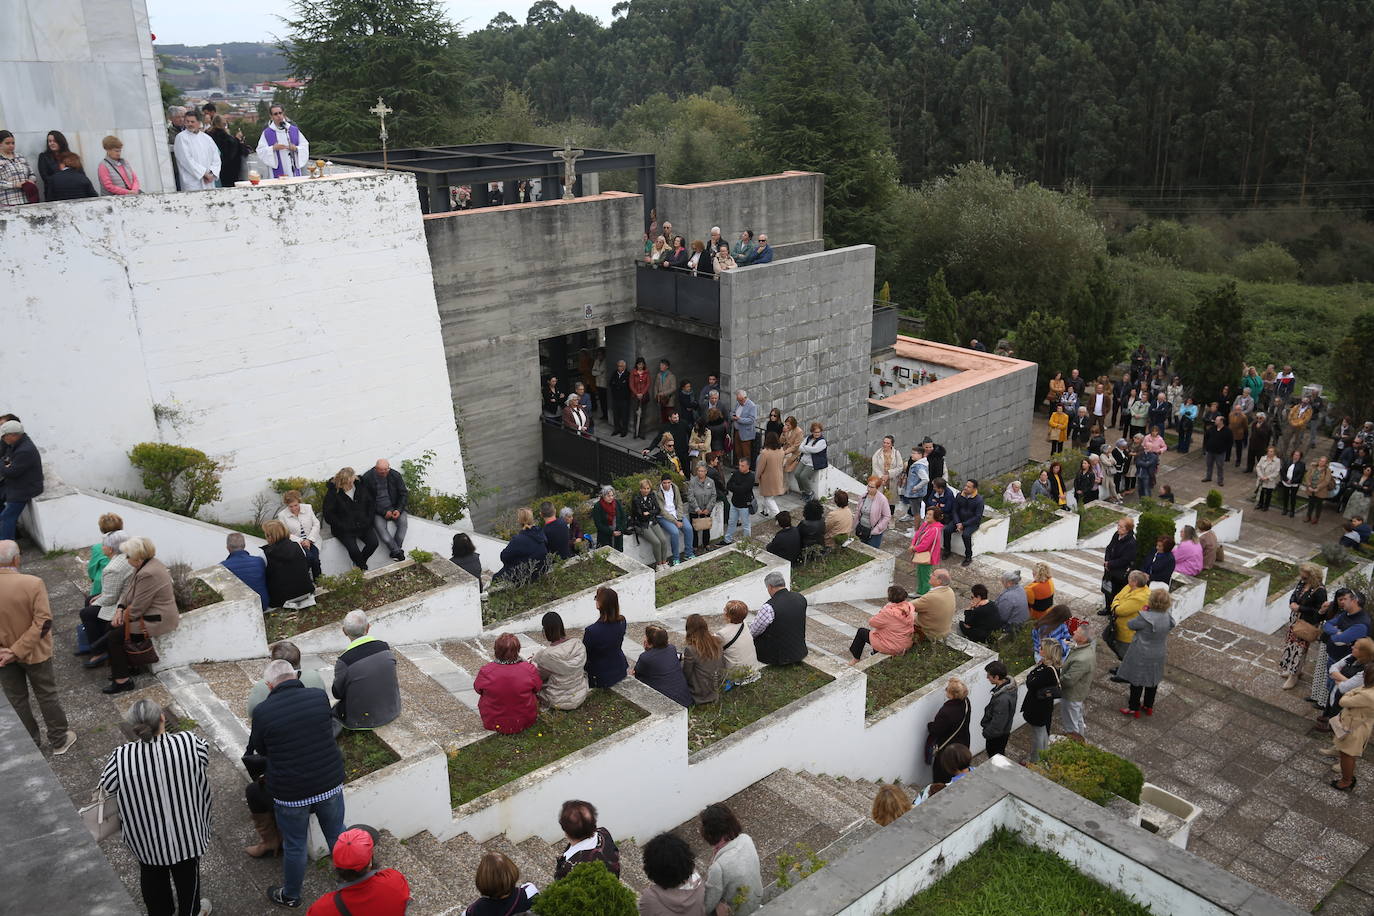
column 897, row 675
column 1094, row 518
column 1335, row 570
column 333, row 606
column 1007, row 876
column 495, row 760
column 1032, row 518
column 1220, row 581
column 364, row 753
column 830, row 564
column 743, row 705
column 566, row 579
column 1016, row 650
column 1282, row 575
column 724, row 566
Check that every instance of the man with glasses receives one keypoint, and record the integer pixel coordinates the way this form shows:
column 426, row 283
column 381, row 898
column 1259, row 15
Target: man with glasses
column 283, row 148
column 760, row 255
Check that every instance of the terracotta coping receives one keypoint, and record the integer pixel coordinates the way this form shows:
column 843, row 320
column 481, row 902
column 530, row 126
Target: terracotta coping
column 971, row 367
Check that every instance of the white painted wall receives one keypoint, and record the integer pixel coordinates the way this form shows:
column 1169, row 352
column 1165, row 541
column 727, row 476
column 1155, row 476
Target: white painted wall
column 634, row 589
column 870, row 580
column 1061, row 534
column 292, row 329
column 1248, row 605
column 228, row 630
column 991, row 536
column 1188, row 597
column 85, row 67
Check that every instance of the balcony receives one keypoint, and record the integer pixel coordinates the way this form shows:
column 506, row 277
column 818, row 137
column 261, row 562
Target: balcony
column 677, row 293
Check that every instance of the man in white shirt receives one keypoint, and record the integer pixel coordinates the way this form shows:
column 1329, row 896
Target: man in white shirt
column 198, row 162
column 283, row 148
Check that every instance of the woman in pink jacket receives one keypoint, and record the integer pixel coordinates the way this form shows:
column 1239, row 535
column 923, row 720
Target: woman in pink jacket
column 116, row 176
column 925, row 547
column 890, row 630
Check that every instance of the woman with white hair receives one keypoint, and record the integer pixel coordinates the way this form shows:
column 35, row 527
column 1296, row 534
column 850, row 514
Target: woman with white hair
column 97, row 615
column 147, row 608
column 163, row 792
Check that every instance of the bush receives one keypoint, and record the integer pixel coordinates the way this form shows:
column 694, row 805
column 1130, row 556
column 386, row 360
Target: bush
column 177, row 478
column 860, row 465
column 1091, row 772
column 424, row 502
column 1268, row 262
column 590, row 888
column 312, row 491
column 1215, row 499
column 1150, row 527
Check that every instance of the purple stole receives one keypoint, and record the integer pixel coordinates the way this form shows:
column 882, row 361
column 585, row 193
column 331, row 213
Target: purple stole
column 294, row 134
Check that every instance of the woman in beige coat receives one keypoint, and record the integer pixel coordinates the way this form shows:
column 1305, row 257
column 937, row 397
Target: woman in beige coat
column 1356, row 720
column 772, row 481
column 791, row 439
column 1318, row 485
column 561, row 666
column 148, row 605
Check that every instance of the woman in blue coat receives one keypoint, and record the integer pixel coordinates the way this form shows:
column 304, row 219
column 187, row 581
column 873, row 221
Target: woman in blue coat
column 606, row 665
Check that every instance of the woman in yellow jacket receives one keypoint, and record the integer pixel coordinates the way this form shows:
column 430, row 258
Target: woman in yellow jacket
column 1128, row 602
column 1059, row 429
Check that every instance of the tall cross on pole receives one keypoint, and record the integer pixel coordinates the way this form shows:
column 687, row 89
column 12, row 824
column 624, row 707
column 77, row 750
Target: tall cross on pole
column 381, row 111
column 569, row 156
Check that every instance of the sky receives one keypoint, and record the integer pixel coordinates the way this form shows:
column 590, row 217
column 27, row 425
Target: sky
column 195, row 22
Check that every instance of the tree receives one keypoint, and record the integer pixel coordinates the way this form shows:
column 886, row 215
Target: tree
column 814, row 113
column 1350, row 367
column 353, row 51
column 1045, row 340
column 942, row 312
column 171, row 95
column 1213, row 347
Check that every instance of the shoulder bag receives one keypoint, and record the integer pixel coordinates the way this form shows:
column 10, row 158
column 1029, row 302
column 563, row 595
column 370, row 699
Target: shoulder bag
column 863, row 530
column 1051, row 693
column 138, row 647
column 933, row 749
column 1305, row 631
column 102, row 815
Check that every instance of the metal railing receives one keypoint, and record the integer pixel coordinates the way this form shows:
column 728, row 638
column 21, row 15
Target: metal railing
column 591, row 460
column 679, row 293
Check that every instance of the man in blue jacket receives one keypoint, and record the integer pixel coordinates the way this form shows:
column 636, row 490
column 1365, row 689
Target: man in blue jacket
column 760, row 255
column 965, row 518
column 251, row 570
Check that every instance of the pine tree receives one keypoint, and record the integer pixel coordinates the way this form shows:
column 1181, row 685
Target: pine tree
column 1214, row 343
column 1350, row 367
column 942, row 312
column 1045, row 339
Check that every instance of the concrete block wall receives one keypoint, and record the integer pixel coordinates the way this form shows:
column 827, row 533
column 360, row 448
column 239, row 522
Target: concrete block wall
column 985, row 427
column 796, row 335
column 788, row 207
column 84, row 67
column 289, row 330
column 504, row 279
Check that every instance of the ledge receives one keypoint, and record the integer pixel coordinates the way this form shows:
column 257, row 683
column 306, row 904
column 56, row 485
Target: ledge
column 635, row 589
column 868, row 580
column 228, row 630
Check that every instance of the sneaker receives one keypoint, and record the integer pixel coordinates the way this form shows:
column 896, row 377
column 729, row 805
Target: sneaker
column 59, row 749
column 275, row 895
column 205, row 907
column 398, row 554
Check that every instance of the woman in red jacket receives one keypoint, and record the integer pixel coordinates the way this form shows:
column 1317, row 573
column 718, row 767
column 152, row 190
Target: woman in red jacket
column 639, row 391
column 508, row 689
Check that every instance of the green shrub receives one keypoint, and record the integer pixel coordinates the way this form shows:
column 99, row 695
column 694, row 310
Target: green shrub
column 1267, row 262
column 1150, row 527
column 1091, row 772
column 860, row 465
column 421, row 556
column 424, row 502
column 177, row 478
column 1215, row 499
column 312, row 491
column 590, row 888
column 347, row 587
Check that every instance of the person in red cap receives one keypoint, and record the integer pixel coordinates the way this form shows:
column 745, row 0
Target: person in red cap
column 364, row 888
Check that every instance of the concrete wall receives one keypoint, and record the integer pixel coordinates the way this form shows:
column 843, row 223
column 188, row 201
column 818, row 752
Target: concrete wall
column 287, row 330
column 788, row 207
column 505, row 278
column 980, row 410
column 796, row 335
column 84, row 67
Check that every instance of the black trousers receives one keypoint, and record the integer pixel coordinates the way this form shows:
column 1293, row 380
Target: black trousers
column 1149, row 700
column 157, row 881
column 1289, row 504
column 620, row 414
column 997, row 744
column 350, row 540
column 1314, row 507
column 96, row 629
column 856, row 648
column 1266, row 496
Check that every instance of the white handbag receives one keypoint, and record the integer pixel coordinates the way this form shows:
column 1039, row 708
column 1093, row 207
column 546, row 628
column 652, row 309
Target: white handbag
column 102, row 815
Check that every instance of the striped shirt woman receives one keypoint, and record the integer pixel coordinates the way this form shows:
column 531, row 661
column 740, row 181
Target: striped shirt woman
column 163, row 792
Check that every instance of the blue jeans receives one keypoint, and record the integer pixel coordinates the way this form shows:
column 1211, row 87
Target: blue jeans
column 294, row 824
column 739, row 515
column 679, row 541
column 876, row 540
column 9, row 518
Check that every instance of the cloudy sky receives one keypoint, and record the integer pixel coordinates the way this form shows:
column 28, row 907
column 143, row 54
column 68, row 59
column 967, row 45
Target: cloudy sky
column 201, row 23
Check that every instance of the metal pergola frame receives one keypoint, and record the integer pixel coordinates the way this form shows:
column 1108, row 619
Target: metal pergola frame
column 439, row 168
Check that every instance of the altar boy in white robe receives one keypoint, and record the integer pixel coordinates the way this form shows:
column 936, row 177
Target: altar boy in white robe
column 198, row 161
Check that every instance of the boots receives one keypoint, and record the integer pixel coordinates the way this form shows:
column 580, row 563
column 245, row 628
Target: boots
column 269, row 839
column 1291, row 682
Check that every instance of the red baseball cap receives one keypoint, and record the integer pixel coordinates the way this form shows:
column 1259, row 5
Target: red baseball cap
column 353, row 849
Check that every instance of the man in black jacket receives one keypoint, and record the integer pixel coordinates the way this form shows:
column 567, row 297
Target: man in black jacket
column 1217, row 442
column 620, row 399
column 21, row 475
column 779, row 627
column 389, row 497
column 293, row 729
column 741, row 487
column 787, row 542
column 935, row 458
column 365, row 678
column 965, row 519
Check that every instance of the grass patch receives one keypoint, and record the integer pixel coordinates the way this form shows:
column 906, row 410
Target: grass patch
column 250, row 528
column 1336, row 566
column 566, row 579
column 1212, row 515
column 722, row 567
column 363, row 753
column 1006, row 875
column 1220, row 581
column 1150, row 504
column 897, row 675
column 202, row 595
column 495, row 760
column 1282, row 575
column 1094, row 518
column 778, row 686
column 828, row 565
column 1033, row 517
column 333, row 606
column 1016, row 651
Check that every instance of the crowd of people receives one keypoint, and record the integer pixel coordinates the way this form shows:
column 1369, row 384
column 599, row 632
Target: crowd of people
column 708, row 257
column 205, row 154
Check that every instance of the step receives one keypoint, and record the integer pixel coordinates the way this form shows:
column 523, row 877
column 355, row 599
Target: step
column 443, row 670
column 827, row 809
column 453, row 863
column 196, row 699
column 533, row 867
column 845, row 792
column 430, row 895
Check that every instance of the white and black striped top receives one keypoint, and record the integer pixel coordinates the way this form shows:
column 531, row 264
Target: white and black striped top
column 164, row 796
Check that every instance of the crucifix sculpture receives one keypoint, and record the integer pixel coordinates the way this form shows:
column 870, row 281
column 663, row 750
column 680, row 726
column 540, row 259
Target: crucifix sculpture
column 381, row 111
column 569, row 156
